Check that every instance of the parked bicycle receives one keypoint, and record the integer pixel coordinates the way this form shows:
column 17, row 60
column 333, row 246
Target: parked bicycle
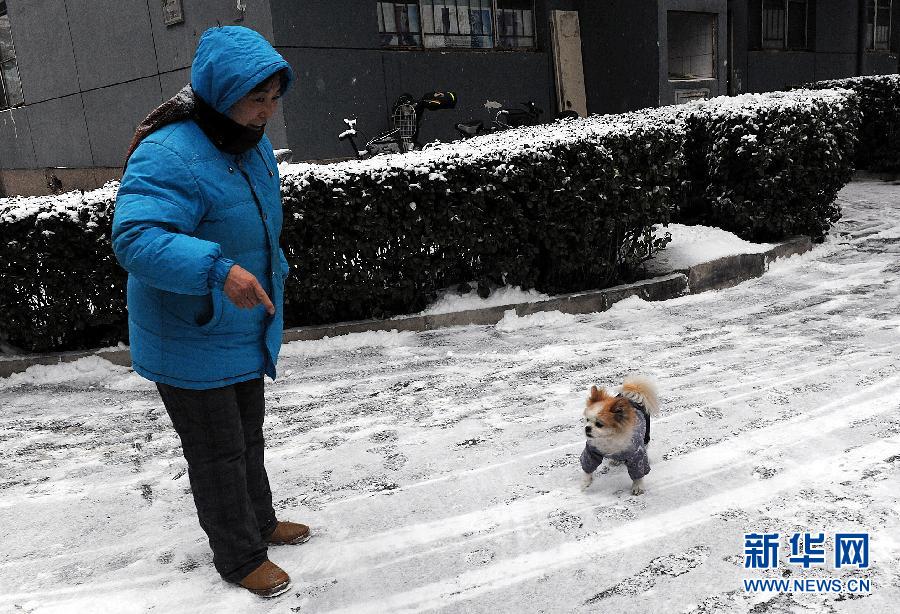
column 406, row 115
column 505, row 119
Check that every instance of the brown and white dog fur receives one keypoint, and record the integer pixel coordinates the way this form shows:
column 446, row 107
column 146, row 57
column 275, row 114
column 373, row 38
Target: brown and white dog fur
column 610, row 420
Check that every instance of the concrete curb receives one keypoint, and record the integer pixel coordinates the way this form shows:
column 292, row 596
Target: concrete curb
column 713, row 275
column 888, row 176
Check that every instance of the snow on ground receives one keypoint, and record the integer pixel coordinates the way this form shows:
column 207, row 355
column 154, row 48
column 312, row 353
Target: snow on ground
column 439, row 470
column 692, row 245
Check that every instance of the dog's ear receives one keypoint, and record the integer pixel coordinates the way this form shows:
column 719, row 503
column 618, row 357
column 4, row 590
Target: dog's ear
column 597, row 394
column 620, row 406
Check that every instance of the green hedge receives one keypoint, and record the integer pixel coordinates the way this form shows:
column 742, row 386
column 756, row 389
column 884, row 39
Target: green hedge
column 879, row 133
column 562, row 207
column 768, row 166
column 60, row 283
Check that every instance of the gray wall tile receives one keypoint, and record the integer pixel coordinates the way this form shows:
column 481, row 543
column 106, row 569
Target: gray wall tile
column 43, row 49
column 16, row 147
column 113, row 113
column 112, row 41
column 59, row 132
column 340, row 23
column 173, row 81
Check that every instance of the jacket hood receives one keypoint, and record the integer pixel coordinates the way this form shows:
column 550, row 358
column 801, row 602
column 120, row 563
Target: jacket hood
column 230, row 61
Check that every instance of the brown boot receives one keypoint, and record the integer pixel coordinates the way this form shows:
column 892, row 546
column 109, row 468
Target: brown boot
column 288, row 533
column 267, row 580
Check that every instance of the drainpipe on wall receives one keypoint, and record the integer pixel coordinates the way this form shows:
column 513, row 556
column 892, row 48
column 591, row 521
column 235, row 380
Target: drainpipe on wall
column 861, row 39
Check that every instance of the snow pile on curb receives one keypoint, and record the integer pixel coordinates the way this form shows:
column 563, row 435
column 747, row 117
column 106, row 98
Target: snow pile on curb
column 691, row 245
column 87, row 371
column 512, row 322
column 450, row 302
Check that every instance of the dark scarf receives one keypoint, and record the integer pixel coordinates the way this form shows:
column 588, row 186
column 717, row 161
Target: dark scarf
column 225, row 133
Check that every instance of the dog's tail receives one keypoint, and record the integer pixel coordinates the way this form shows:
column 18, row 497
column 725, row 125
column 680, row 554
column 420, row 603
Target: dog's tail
column 641, row 390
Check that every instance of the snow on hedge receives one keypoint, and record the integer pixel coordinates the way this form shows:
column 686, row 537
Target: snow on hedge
column 499, row 146
column 68, row 204
column 490, row 147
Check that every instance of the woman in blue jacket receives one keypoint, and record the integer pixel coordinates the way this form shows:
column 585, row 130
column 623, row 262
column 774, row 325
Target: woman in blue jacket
column 197, row 224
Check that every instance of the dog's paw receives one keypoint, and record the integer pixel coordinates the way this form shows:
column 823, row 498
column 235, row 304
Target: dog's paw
column 586, row 480
column 637, row 487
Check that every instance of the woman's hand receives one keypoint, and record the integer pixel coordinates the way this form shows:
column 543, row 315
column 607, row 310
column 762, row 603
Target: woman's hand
column 242, row 288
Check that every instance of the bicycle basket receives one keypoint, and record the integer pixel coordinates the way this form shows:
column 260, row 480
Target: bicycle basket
column 404, row 120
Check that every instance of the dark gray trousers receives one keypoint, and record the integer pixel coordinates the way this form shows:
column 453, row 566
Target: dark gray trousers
column 222, row 439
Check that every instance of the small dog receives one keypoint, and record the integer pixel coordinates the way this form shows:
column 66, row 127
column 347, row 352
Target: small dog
column 619, row 427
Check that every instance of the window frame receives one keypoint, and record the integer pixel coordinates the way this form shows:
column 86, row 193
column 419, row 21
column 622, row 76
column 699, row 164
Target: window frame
column 785, row 25
column 10, row 61
column 876, row 6
column 419, row 34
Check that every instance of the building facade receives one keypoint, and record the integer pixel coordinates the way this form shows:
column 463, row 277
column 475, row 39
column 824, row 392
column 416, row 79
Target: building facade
column 77, row 76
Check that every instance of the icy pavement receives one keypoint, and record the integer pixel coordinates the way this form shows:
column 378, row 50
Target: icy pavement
column 440, row 470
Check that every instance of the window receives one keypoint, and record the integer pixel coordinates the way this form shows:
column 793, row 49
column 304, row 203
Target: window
column 786, row 24
column 515, row 23
column 457, row 23
column 692, row 45
column 10, row 86
column 470, row 24
column 878, row 25
column 398, row 24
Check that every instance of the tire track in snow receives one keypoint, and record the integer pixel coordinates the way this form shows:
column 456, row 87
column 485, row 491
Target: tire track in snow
column 727, row 456
column 523, row 568
column 757, row 389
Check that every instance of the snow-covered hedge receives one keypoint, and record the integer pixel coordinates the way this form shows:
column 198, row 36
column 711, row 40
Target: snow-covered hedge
column 559, row 207
column 60, row 285
column 768, row 166
column 879, row 134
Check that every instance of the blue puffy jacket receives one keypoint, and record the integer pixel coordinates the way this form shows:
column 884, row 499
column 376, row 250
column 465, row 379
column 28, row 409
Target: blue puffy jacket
column 185, row 213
